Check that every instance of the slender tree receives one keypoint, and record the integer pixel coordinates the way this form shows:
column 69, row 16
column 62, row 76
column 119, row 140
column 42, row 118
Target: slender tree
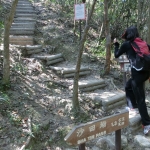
column 6, row 61
column 78, row 65
column 108, row 38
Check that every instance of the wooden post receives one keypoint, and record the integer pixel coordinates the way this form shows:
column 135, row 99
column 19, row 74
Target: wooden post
column 118, row 139
column 124, row 78
column 80, row 29
column 82, row 146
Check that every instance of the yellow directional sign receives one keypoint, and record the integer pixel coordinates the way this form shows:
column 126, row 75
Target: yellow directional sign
column 91, row 130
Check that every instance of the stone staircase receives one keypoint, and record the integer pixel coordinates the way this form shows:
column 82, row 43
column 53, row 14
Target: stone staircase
column 22, row 34
column 23, row 26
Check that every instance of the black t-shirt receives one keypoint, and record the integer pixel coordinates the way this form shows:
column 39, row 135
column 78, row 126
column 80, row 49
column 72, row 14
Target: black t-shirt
column 124, row 48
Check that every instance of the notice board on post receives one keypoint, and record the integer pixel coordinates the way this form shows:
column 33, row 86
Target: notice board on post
column 79, row 10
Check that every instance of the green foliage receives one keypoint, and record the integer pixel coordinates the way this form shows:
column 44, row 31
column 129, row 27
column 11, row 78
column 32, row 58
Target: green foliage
column 100, row 50
column 1, row 29
column 35, row 129
column 4, row 101
column 1, row 25
column 15, row 119
column 20, row 67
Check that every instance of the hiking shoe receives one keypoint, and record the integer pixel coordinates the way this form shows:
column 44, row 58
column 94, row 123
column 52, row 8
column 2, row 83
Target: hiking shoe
column 132, row 110
column 146, row 129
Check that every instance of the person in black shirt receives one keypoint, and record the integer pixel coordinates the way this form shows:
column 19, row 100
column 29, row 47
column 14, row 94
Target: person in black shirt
column 135, row 92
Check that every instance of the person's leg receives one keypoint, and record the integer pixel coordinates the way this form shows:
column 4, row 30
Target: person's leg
column 138, row 80
column 140, row 97
column 131, row 100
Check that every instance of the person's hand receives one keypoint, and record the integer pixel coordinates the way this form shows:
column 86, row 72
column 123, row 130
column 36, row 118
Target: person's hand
column 115, row 40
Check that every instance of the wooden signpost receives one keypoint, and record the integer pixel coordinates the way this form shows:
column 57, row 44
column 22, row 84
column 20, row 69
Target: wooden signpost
column 124, row 63
column 79, row 13
column 79, row 135
column 125, row 66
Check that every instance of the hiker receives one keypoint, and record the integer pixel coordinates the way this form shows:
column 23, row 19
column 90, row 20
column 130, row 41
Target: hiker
column 135, row 92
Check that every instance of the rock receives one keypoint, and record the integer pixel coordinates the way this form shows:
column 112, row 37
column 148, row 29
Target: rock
column 142, row 142
column 95, row 148
column 109, row 142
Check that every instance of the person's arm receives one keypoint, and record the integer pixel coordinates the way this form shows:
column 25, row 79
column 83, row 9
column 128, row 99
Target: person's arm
column 119, row 51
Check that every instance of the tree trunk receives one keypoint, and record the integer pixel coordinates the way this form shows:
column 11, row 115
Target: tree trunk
column 74, row 29
column 6, row 61
column 141, row 20
column 148, row 36
column 108, row 38
column 78, row 65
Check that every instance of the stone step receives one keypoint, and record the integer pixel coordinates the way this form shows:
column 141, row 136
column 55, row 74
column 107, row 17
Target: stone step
column 91, row 85
column 24, row 2
column 21, row 32
column 21, row 40
column 70, row 72
column 81, row 73
column 30, row 49
column 50, row 59
column 25, row 11
column 33, row 49
column 106, row 100
column 23, row 25
column 24, row 5
column 24, row 20
column 135, row 121
column 20, row 29
column 25, row 15
column 113, row 100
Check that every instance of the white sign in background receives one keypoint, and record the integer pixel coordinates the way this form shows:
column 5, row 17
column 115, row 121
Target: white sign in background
column 79, row 11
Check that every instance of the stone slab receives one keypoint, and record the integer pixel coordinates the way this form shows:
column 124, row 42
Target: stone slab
column 22, row 29
column 24, row 5
column 70, row 75
column 21, row 40
column 21, row 32
column 23, row 25
column 89, row 83
column 25, row 15
column 55, row 61
column 92, row 88
column 24, row 19
column 28, row 11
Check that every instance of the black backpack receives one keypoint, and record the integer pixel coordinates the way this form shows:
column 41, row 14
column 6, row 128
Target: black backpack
column 142, row 61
